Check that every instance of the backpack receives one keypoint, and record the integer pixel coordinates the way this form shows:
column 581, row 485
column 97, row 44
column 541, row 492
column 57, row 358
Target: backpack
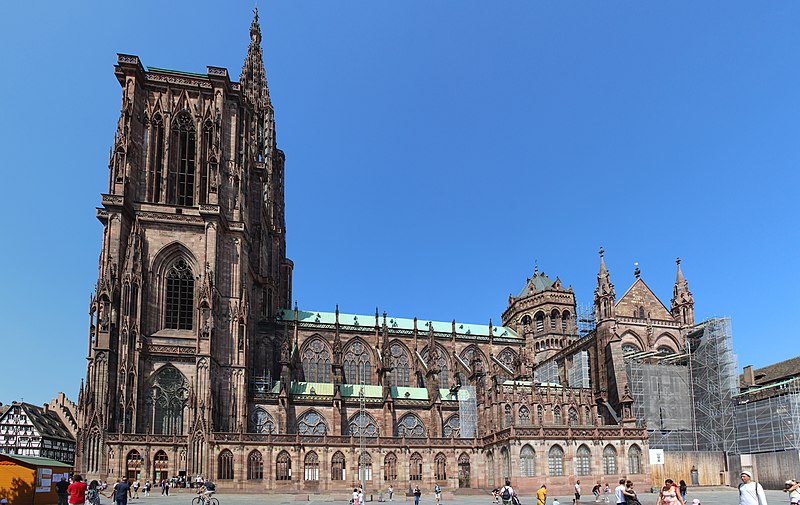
column 758, row 498
column 210, row 486
column 506, row 495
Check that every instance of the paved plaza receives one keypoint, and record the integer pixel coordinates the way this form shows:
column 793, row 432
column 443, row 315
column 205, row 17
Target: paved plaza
column 707, row 496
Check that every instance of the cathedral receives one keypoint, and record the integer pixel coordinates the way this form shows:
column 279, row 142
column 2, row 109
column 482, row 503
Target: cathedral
column 199, row 365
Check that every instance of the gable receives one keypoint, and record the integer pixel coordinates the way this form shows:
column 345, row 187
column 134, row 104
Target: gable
column 641, row 295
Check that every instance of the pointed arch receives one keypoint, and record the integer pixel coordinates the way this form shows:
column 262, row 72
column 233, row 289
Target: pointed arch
column 183, row 156
column 609, row 460
column 364, row 466
column 160, row 466
column 261, row 422
column 255, row 466
column 362, row 423
column 507, row 357
column 557, row 415
column 464, row 470
column 316, row 357
column 169, row 396
column 311, row 466
column 410, row 426
column 338, row 470
column 283, row 466
column 390, row 467
column 527, row 461
column 507, row 416
column 451, row 428
column 443, row 362
column 555, row 461
column 630, row 337
column 154, row 144
column 415, row 467
column 312, row 422
column 573, row 416
column 505, row 462
column 133, row 464
column 524, row 416
column 583, row 460
column 357, row 361
column 634, row 459
column 400, row 361
column 225, row 465
column 472, row 356
column 667, row 341
column 440, row 467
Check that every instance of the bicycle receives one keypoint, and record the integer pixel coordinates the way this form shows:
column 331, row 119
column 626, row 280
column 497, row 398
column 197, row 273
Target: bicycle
column 201, row 499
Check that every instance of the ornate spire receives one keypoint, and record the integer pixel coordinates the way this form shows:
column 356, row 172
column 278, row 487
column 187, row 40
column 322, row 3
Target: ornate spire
column 253, row 78
column 682, row 302
column 604, row 296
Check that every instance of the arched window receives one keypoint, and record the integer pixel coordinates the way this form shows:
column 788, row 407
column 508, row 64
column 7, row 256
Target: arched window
column 160, row 466
column 663, row 349
column 452, row 427
column 134, row 461
column 311, row 423
column 316, row 361
column 527, row 461
column 261, row 422
column 490, row 467
column 338, row 471
column 156, row 166
column 311, row 466
column 208, row 136
column 93, row 451
column 170, row 393
column 255, row 466
column 583, row 461
column 540, row 414
column 440, row 467
column 506, row 357
column 609, row 460
column 554, row 317
column 390, row 467
column 474, row 359
column 180, row 183
column 573, row 417
column 564, row 320
column 641, row 312
column 587, row 416
column 410, row 426
column 506, row 462
column 357, row 364
column 415, row 467
column 400, row 363
column 524, row 416
column 526, row 320
column 363, row 424
column 555, row 461
column 626, row 348
column 364, row 466
column 442, row 363
column 507, row 417
column 225, row 465
column 179, row 299
column 634, row 460
column 539, row 322
column 198, row 449
column 463, row 470
column 556, row 415
column 283, row 466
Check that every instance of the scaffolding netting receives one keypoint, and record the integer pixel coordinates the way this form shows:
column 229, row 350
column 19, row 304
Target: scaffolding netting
column 547, row 373
column 578, row 376
column 467, row 411
column 768, row 419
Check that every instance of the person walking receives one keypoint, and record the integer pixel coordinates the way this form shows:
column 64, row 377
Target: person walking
column 61, row 491
column 541, row 495
column 619, row 492
column 417, row 494
column 607, row 492
column 77, row 491
column 354, row 499
column 507, row 493
column 437, row 491
column 577, row 499
column 166, row 488
column 147, row 487
column 121, row 492
column 596, row 492
column 93, row 493
column 750, row 491
column 682, row 488
column 670, row 494
column 391, row 492
column 793, row 488
column 135, row 489
column 630, row 494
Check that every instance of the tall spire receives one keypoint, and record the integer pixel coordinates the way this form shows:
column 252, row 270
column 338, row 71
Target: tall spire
column 253, row 78
column 682, row 302
column 604, row 296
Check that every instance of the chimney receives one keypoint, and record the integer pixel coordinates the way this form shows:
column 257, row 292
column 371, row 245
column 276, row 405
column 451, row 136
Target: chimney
column 749, row 377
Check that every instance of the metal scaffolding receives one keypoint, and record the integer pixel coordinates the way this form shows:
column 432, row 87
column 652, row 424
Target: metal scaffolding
column 768, row 418
column 547, row 372
column 686, row 399
column 578, row 376
column 467, row 412
column 586, row 320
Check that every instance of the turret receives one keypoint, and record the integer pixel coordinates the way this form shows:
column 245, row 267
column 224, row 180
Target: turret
column 604, row 296
column 682, row 307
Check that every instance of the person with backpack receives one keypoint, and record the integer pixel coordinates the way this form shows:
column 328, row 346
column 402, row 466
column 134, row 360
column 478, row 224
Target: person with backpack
column 417, row 494
column 507, row 493
column 437, row 491
column 750, row 491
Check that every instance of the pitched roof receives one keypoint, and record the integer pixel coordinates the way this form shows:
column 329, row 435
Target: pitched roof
column 776, row 372
column 536, row 284
column 46, row 423
column 35, row 461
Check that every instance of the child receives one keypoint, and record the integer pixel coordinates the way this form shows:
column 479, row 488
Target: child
column 555, row 501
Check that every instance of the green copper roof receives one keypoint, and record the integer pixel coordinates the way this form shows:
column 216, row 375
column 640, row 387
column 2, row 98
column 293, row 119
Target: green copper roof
column 403, row 392
column 179, row 72
column 353, row 390
column 536, row 284
column 35, row 460
column 304, row 388
column 368, row 322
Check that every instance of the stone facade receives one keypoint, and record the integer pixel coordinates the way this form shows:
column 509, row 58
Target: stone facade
column 198, row 366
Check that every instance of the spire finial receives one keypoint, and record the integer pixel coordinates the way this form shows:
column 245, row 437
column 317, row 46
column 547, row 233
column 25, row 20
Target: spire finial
column 637, row 273
column 602, row 251
column 678, row 261
column 535, row 266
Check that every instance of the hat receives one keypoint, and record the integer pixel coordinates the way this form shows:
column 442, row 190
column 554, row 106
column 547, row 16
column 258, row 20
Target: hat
column 3, row 501
column 695, row 502
column 748, row 474
column 789, row 482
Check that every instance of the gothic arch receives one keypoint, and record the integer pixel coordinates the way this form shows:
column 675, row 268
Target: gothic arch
column 316, row 357
column 507, row 356
column 358, row 360
column 362, row 423
column 411, row 426
column 165, row 256
column 311, row 422
column 451, row 428
column 631, row 337
column 400, row 360
column 667, row 340
column 262, row 422
column 445, row 365
column 468, row 354
column 168, row 397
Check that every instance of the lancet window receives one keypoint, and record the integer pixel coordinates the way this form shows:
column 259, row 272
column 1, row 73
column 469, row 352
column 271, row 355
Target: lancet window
column 170, row 393
column 410, row 426
column 452, row 427
column 311, row 423
column 555, row 461
column 583, row 461
column 400, row 363
column 442, row 363
column 363, row 424
column 261, row 422
column 156, row 165
column 255, row 466
column 179, row 299
column 317, row 362
column 180, row 182
column 527, row 461
column 357, row 364
column 225, row 465
column 338, row 466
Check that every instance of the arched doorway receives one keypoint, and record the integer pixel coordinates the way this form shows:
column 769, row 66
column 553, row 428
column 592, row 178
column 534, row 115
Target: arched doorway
column 463, row 470
column 134, row 465
column 160, row 466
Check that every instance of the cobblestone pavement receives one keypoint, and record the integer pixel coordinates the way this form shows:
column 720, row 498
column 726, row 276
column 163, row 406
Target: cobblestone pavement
column 707, row 496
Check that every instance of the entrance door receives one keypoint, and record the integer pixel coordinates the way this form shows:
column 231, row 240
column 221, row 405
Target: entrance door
column 160, row 467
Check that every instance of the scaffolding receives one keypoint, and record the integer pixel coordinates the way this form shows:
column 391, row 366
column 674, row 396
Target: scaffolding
column 686, row 399
column 578, row 376
column 547, row 372
column 768, row 418
column 586, row 320
column 715, row 382
column 467, row 412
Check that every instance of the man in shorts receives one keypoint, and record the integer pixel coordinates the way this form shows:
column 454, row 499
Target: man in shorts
column 577, row 499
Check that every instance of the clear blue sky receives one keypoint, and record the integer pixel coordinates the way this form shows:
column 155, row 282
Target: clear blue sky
column 434, row 151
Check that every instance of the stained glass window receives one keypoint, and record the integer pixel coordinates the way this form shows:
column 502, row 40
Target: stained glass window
column 363, row 423
column 452, row 427
column 410, row 426
column 524, row 416
column 317, row 362
column 634, row 459
column 583, row 459
column 261, row 422
column 555, row 461
column 400, row 363
column 255, row 466
column 573, row 417
column 469, row 354
column 311, row 423
column 180, row 183
column 507, row 416
column 179, row 299
column 357, row 364
column 170, row 394
column 415, row 467
column 609, row 460
column 527, row 461
column 225, row 465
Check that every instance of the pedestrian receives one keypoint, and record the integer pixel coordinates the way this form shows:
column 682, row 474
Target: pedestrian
column 555, row 501
column 630, row 494
column 93, row 493
column 750, row 491
column 121, row 492
column 360, row 495
column 417, row 494
column 391, row 491
column 437, row 490
column 541, row 496
column 147, row 487
column 619, row 492
column 77, row 491
column 354, row 499
column 61, row 491
column 136, row 489
column 607, row 492
column 507, row 493
column 166, row 488
column 577, row 499
column 682, row 488
column 596, row 492
column 670, row 494
column 496, row 495
column 793, row 488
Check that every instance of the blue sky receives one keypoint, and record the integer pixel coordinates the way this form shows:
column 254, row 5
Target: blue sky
column 435, row 151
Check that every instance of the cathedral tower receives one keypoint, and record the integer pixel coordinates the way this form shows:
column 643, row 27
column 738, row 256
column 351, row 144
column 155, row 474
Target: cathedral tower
column 193, row 259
